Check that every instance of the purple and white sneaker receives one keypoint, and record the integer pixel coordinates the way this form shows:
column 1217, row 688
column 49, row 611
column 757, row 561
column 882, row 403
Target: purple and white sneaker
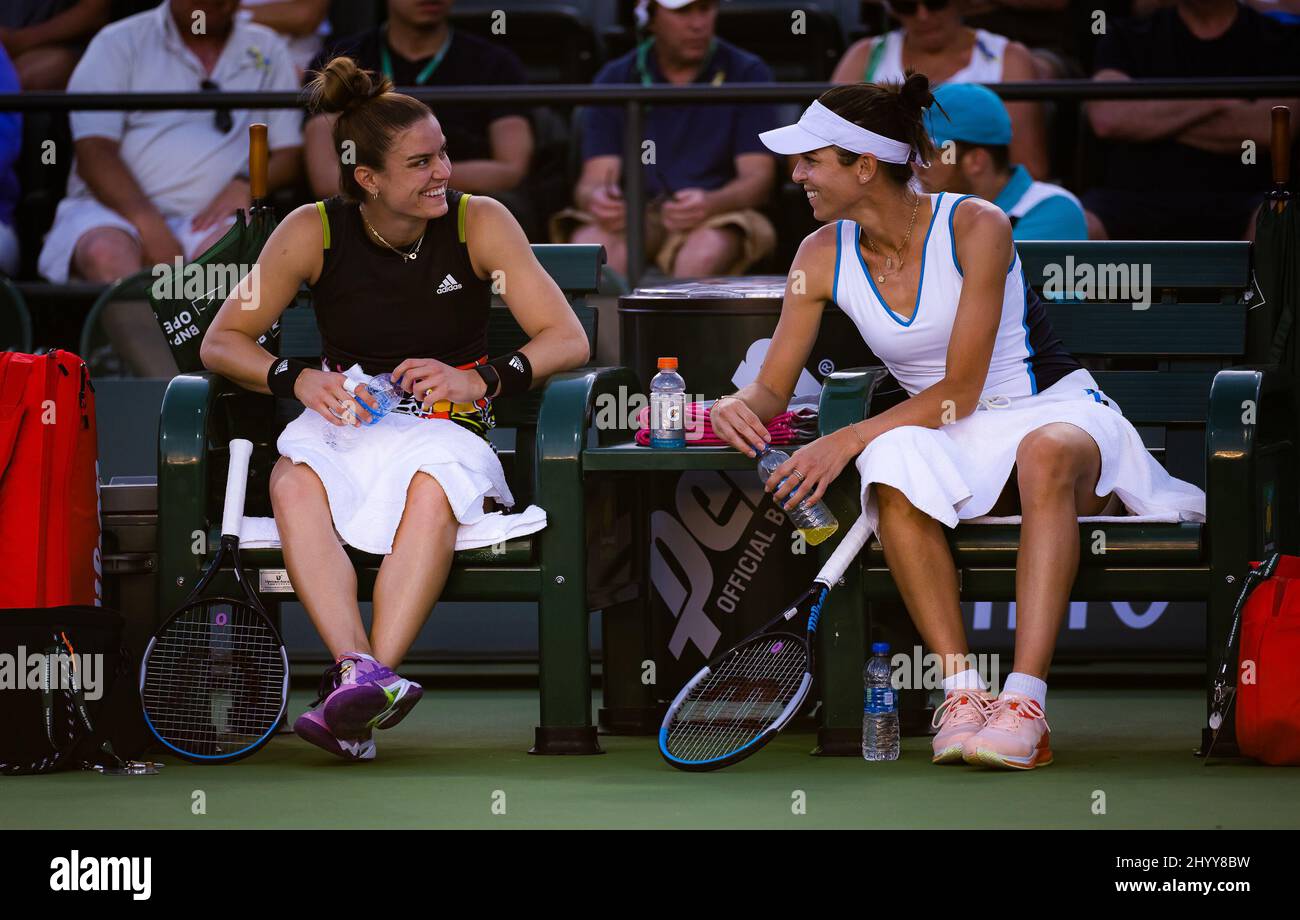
column 368, row 696
column 311, row 727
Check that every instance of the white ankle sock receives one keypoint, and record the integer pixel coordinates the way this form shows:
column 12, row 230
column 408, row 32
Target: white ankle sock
column 1027, row 685
column 968, row 679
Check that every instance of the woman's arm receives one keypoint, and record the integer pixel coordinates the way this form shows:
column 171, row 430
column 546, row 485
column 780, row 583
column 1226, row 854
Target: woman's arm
column 807, row 288
column 499, row 251
column 292, row 255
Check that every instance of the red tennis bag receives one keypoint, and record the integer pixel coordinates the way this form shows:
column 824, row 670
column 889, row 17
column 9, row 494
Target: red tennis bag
column 1268, row 676
column 49, row 482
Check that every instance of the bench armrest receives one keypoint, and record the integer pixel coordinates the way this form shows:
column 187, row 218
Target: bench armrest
column 847, row 396
column 1248, row 427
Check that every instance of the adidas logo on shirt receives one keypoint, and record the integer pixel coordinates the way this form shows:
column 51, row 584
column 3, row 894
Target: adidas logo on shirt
column 517, row 364
column 448, row 284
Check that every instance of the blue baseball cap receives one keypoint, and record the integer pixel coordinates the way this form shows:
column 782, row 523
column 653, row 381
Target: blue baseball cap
column 975, row 115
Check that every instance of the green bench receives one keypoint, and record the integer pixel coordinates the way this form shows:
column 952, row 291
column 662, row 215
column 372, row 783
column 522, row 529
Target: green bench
column 1182, row 364
column 559, row 568
column 1170, row 369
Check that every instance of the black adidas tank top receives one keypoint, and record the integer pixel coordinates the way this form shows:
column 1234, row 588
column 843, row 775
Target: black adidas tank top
column 376, row 309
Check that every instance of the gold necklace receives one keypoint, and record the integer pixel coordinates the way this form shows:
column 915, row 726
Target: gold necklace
column 408, row 256
column 898, row 253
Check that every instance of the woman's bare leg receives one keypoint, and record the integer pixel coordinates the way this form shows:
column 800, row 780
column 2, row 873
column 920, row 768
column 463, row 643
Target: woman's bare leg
column 320, row 570
column 921, row 563
column 1057, row 470
column 413, row 575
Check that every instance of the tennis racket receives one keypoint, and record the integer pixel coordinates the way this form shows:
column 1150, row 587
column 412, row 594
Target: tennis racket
column 214, row 681
column 744, row 696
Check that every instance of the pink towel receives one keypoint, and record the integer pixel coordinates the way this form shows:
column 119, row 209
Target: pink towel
column 785, row 428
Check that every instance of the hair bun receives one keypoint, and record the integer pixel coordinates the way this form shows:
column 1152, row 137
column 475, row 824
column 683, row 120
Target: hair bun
column 914, row 95
column 342, row 86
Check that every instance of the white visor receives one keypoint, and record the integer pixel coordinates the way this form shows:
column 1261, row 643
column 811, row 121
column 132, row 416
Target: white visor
column 820, row 127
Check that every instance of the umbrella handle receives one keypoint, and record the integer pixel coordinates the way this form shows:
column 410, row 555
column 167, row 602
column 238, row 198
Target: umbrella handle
column 258, row 155
column 1280, row 148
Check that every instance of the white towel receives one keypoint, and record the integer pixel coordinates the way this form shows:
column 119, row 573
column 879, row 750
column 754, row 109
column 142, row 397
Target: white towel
column 366, row 472
column 497, row 527
column 957, row 472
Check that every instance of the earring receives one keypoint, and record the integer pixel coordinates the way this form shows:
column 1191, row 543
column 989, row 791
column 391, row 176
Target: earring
column 374, row 195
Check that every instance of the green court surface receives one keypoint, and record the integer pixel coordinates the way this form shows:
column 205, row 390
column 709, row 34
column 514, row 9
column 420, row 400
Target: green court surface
column 461, row 752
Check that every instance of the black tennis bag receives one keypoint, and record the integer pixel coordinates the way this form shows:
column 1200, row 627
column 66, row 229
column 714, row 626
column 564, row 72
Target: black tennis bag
column 66, row 688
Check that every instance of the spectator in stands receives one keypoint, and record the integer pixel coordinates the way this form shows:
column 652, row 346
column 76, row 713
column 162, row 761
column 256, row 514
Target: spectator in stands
column 149, row 186
column 301, row 23
column 491, row 144
column 710, row 173
column 1174, row 167
column 933, row 40
column 44, row 38
column 972, row 142
column 11, row 141
column 1040, row 25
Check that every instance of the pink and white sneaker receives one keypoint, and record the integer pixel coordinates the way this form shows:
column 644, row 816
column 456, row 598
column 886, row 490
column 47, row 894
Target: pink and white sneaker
column 961, row 714
column 1016, row 736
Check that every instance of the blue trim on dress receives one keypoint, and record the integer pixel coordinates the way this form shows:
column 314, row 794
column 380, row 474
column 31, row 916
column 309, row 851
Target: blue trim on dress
column 920, row 284
column 952, row 236
column 835, row 285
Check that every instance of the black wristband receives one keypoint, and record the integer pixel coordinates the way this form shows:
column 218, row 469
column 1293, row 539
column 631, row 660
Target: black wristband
column 490, row 377
column 284, row 374
column 515, row 371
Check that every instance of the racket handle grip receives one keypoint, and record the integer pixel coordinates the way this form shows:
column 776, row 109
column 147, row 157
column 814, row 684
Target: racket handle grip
column 232, row 516
column 845, row 553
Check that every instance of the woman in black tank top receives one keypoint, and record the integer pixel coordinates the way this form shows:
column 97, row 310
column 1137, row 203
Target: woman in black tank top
column 402, row 270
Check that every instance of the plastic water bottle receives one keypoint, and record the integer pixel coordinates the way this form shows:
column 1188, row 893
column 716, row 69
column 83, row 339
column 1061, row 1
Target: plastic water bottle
column 667, row 406
column 879, row 707
column 815, row 522
column 378, row 392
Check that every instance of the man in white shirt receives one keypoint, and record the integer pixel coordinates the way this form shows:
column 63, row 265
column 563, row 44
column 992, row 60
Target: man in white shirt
column 151, row 185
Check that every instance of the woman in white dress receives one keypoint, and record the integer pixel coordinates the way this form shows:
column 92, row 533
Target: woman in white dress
column 1001, row 418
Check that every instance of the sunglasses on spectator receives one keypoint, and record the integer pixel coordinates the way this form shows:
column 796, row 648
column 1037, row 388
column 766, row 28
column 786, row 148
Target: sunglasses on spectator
column 909, row 7
column 222, row 118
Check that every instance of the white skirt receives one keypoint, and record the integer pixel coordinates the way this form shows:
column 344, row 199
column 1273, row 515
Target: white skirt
column 367, row 483
column 957, row 472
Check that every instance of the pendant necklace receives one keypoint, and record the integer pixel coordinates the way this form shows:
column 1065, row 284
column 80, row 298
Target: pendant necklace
column 898, row 253
column 408, row 256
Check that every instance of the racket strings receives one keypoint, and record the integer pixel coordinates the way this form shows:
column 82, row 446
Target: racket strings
column 739, row 700
column 214, row 680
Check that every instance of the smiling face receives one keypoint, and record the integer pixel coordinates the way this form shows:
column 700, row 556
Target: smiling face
column 831, row 187
column 416, row 171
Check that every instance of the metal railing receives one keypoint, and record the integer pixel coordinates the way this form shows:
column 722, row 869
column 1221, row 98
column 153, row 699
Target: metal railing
column 634, row 97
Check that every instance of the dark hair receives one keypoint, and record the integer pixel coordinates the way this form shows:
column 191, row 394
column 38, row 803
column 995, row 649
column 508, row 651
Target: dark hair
column 893, row 110
column 370, row 115
column 1000, row 154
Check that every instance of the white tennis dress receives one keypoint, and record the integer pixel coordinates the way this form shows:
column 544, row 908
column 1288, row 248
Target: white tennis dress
column 957, row 472
column 366, row 482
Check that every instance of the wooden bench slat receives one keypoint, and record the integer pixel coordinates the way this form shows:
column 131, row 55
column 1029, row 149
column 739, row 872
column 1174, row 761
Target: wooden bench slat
column 1161, row 329
column 1175, row 264
column 1159, row 397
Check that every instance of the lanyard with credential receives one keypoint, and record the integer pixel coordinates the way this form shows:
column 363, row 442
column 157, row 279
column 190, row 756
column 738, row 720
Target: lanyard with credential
column 643, row 51
column 386, row 60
